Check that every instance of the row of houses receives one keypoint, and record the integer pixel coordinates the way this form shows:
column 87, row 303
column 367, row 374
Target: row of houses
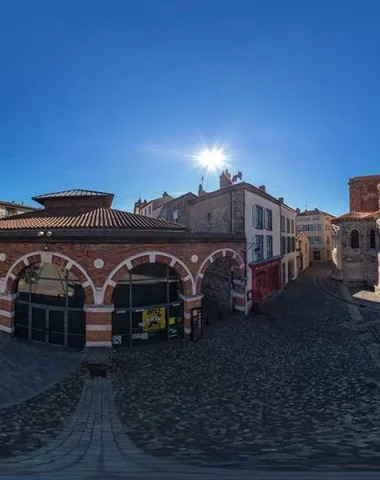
column 280, row 240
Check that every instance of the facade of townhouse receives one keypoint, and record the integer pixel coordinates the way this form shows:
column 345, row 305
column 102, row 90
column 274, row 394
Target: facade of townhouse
column 151, row 208
column 288, row 243
column 302, row 252
column 317, row 226
column 8, row 209
column 242, row 209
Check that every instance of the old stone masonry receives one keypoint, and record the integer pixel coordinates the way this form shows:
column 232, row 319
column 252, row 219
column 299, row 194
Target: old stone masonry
column 292, row 393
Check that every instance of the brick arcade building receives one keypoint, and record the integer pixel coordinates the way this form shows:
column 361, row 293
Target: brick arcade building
column 79, row 273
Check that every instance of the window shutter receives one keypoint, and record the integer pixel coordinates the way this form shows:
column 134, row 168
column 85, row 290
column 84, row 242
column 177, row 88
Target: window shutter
column 253, row 216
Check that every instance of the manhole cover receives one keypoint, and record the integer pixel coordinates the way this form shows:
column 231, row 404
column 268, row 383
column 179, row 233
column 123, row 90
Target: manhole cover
column 97, row 370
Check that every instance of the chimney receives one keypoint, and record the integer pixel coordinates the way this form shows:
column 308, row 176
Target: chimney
column 262, row 188
column 281, row 199
column 201, row 192
column 225, row 179
column 298, row 211
column 165, row 194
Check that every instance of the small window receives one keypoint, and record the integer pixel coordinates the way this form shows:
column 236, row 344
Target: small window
column 292, row 225
column 259, row 217
column 354, row 239
column 282, row 223
column 209, row 216
column 268, row 219
column 372, row 239
column 150, row 209
column 269, row 247
column 175, row 215
column 288, row 225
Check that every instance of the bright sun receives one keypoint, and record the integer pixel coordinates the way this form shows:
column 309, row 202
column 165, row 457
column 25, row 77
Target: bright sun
column 212, row 159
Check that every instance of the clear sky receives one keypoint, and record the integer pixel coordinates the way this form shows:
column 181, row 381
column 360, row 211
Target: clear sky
column 115, row 95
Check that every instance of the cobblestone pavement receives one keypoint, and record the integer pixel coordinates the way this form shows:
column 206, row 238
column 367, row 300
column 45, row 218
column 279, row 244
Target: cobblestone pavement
column 285, row 393
column 94, row 445
column 27, row 369
column 28, row 426
column 286, row 388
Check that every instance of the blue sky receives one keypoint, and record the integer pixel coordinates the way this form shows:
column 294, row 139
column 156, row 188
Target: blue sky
column 115, row 95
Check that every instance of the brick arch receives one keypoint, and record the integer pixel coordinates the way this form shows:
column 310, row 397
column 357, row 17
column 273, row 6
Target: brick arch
column 222, row 253
column 10, row 280
column 142, row 258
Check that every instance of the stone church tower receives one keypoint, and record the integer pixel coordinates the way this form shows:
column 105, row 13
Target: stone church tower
column 356, row 252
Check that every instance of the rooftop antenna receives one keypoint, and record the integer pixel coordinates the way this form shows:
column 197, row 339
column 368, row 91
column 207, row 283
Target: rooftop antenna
column 306, row 206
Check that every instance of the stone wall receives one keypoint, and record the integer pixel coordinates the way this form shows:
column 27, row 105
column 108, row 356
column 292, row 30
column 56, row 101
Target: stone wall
column 182, row 205
column 216, row 283
column 356, row 266
column 364, row 195
column 219, row 212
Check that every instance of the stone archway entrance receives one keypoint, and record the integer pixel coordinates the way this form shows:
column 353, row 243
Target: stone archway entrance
column 148, row 306
column 49, row 306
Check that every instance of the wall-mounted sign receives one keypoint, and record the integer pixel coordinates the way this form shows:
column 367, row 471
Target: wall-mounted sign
column 196, row 323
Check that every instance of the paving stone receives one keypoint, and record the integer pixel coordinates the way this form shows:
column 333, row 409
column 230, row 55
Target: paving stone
column 255, row 383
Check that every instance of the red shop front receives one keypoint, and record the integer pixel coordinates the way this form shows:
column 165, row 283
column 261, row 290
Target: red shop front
column 266, row 278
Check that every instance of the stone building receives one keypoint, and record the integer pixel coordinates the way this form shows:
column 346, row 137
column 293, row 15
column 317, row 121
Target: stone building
column 79, row 273
column 151, row 208
column 239, row 208
column 12, row 208
column 355, row 253
column 317, row 226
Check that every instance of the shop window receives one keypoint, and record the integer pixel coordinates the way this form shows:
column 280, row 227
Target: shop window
column 354, row 239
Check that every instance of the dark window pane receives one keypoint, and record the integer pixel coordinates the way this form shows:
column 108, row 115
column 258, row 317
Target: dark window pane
column 21, row 332
column 56, row 321
column 149, row 294
column 121, row 295
column 76, row 295
column 77, row 322
column 173, row 291
column 21, row 314
column 38, row 324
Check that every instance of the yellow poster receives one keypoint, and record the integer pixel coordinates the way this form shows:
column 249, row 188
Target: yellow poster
column 154, row 319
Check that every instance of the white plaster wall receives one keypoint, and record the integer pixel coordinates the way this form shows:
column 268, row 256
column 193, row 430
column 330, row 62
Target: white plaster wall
column 251, row 199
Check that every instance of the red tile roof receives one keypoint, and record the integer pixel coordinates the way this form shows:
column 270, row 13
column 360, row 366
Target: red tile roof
column 358, row 216
column 85, row 218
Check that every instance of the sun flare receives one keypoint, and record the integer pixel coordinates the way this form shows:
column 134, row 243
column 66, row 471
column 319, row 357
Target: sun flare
column 212, row 159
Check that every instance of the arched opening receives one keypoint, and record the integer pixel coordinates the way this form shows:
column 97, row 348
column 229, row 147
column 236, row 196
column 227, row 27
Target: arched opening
column 354, row 239
column 148, row 306
column 372, row 239
column 220, row 287
column 49, row 306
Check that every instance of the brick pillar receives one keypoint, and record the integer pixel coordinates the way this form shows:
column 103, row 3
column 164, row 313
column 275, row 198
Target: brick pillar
column 188, row 304
column 7, row 312
column 99, row 325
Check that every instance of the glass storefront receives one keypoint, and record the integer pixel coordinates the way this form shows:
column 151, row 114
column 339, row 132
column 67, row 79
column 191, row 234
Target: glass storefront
column 49, row 306
column 148, row 308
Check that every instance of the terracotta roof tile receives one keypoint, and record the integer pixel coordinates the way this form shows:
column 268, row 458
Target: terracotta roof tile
column 85, row 218
column 358, row 216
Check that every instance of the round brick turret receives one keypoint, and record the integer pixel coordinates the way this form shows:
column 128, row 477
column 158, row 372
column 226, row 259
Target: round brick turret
column 364, row 193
